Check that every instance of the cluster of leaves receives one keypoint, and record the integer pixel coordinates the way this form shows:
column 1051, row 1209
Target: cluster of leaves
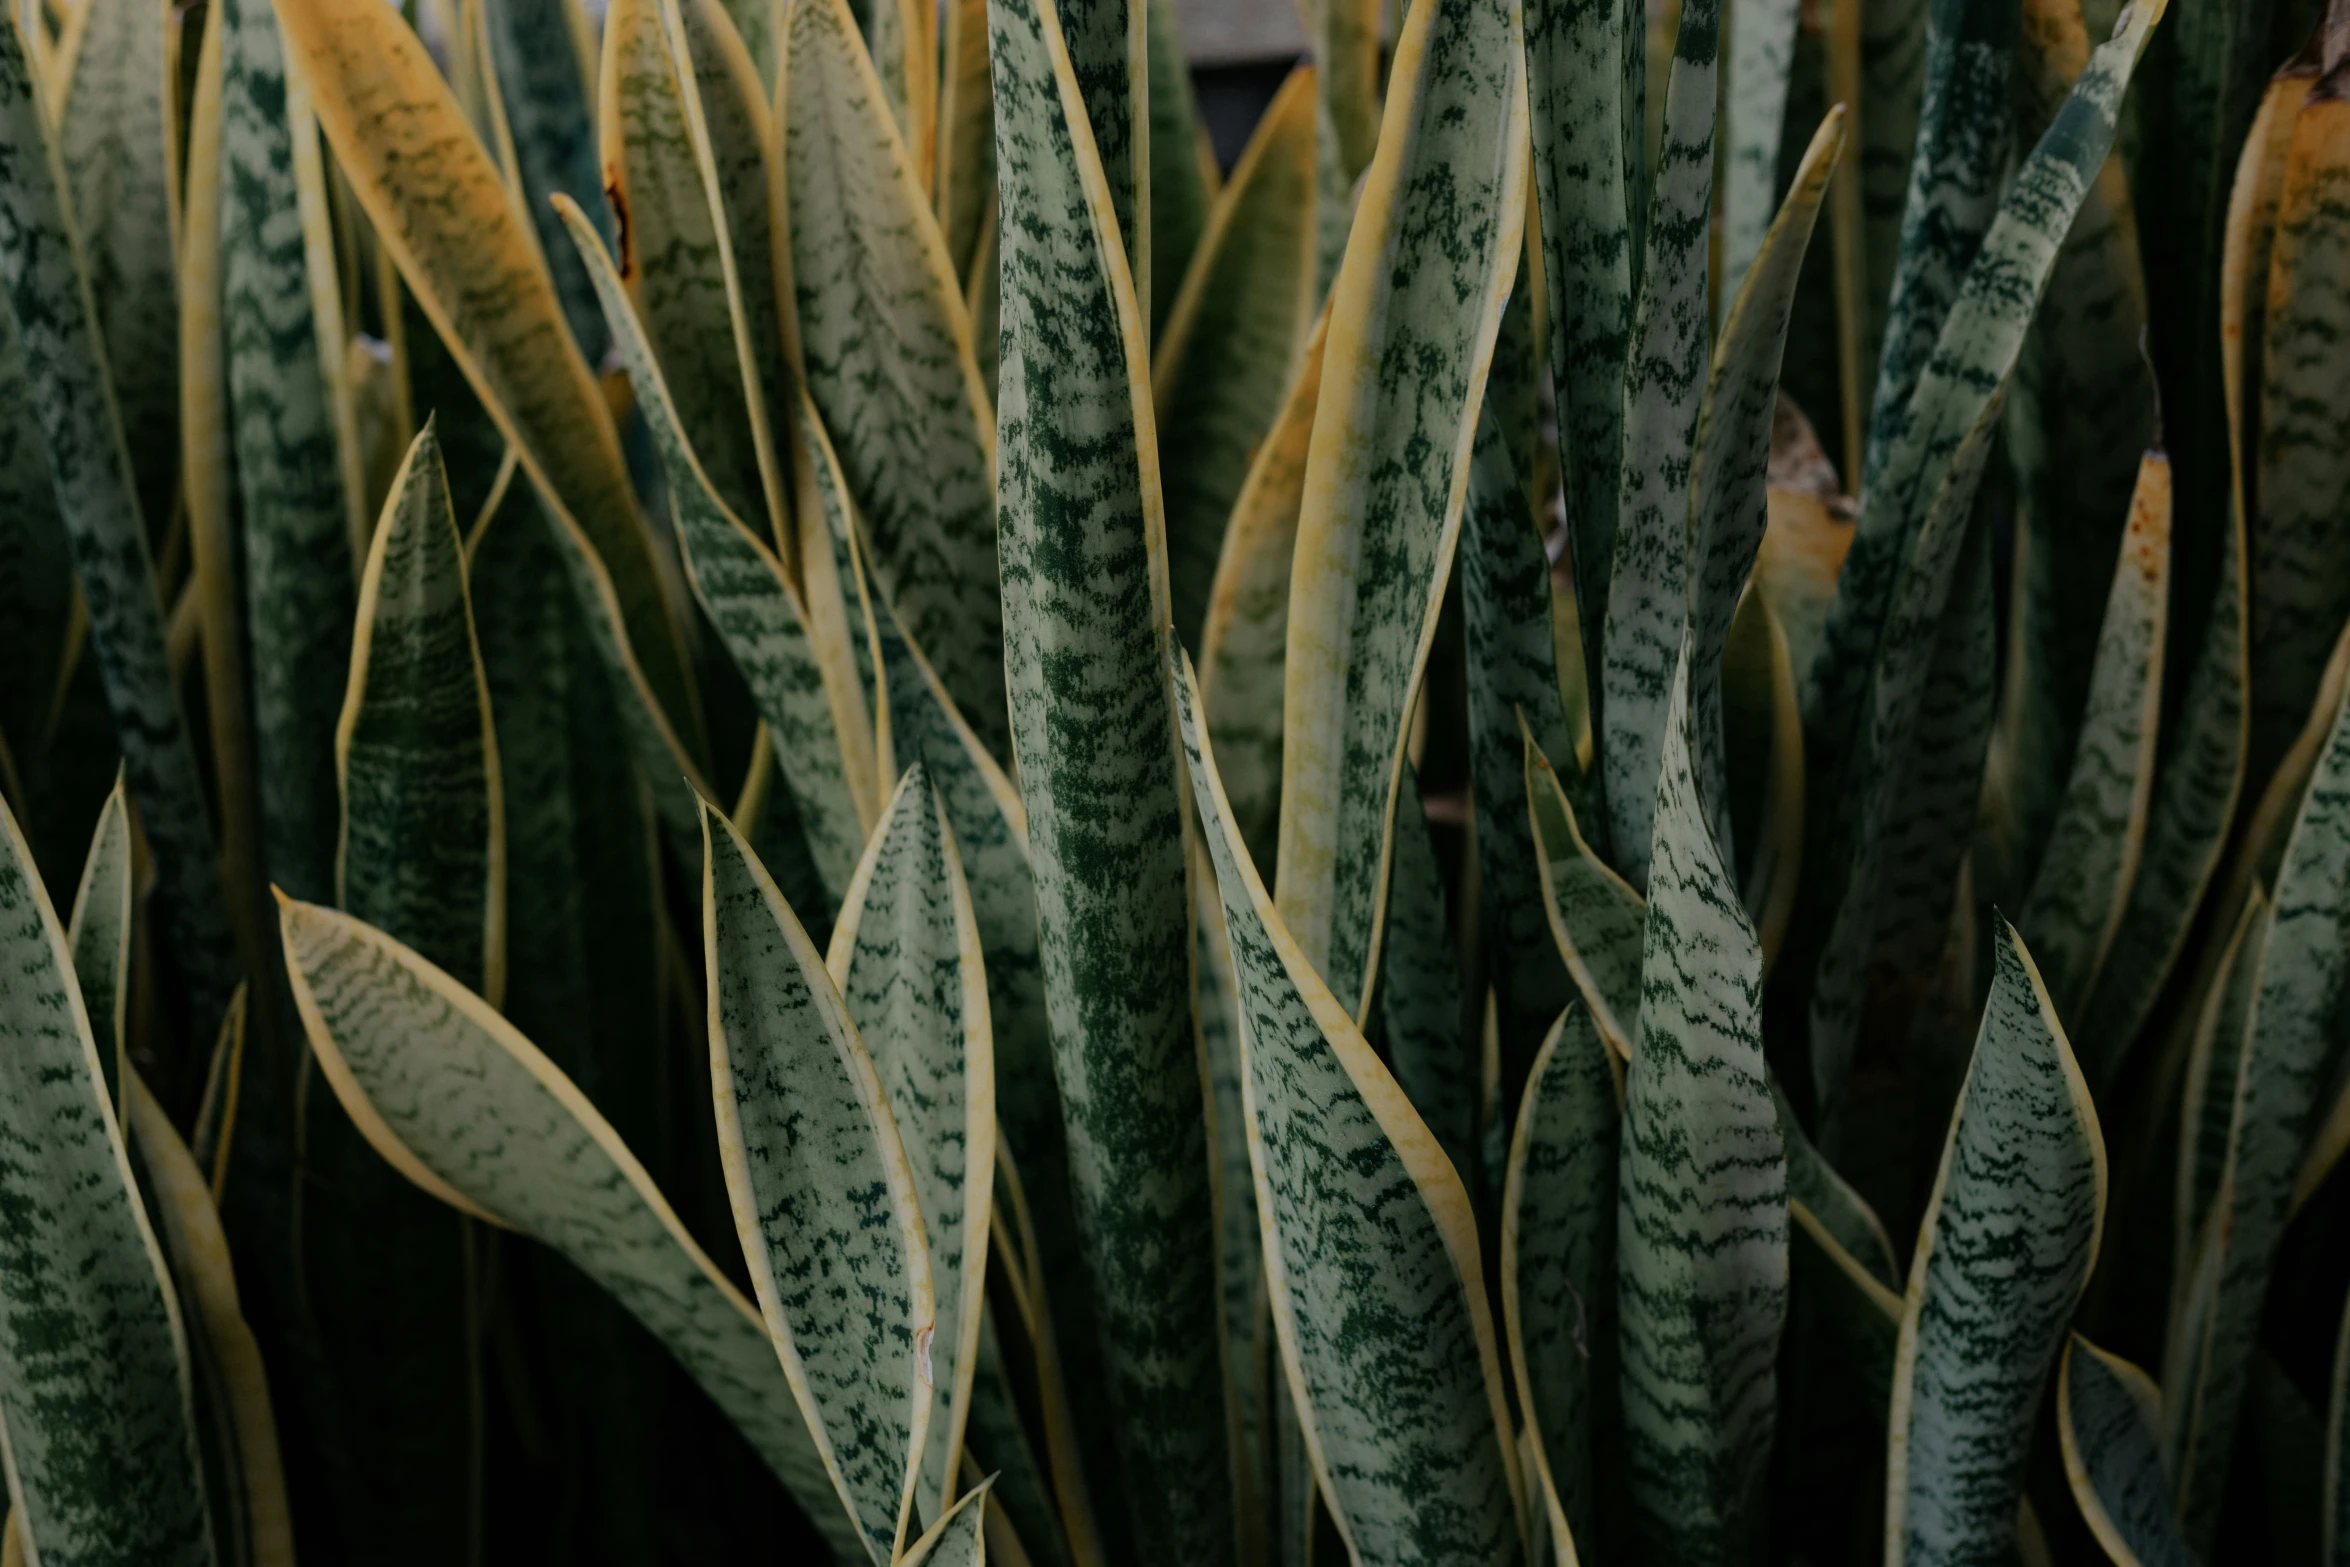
column 853, row 816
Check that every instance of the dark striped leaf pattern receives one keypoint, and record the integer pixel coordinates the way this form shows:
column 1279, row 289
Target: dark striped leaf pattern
column 2107, row 1415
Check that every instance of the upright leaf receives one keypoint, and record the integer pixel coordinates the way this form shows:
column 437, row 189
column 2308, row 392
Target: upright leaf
column 963, row 182
column 461, row 1104
column 1371, row 1251
column 99, row 938
column 541, row 102
column 2107, row 1416
column 956, row 1540
column 1182, row 168
column 823, row 1196
column 1599, row 923
column 1085, row 600
column 1420, row 994
column 2009, row 1239
column 94, row 1379
column 1762, row 58
column 1413, row 316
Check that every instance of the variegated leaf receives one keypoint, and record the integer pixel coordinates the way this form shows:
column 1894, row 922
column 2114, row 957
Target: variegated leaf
column 956, row 1539
column 1437, row 231
column 823, row 1195
column 1182, row 165
column 886, row 347
column 2009, row 1239
column 462, row 1105
column 98, row 935
column 1085, row 596
column 2108, row 1413
column 1597, row 920
column 1370, row 1252
column 540, row 97
column 1762, row 57
column 1420, row 993
column 1240, row 1235
column 94, row 1377
column 1558, row 1262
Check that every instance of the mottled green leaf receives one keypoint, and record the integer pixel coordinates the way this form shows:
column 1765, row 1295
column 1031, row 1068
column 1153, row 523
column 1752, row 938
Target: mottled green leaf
column 2081, row 892
column 1182, row 166
column 1371, row 1252
column 1228, row 343
column 886, row 348
column 1085, row 601
column 1558, row 1261
column 2108, row 1413
column 1762, row 57
column 1413, row 316
column 824, row 1197
column 99, row 938
column 94, row 1379
column 955, row 1540
column 540, row 97
column 1834, row 1212
column 1240, row 1238
column 760, row 25
column 1420, row 992
column 464, row 1106
column 2009, row 1239
column 1701, row 1218
column 997, row 1442
column 906, row 957
column 57, row 328
column 1597, row 920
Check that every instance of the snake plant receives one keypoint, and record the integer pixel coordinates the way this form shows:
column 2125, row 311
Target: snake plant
column 772, row 789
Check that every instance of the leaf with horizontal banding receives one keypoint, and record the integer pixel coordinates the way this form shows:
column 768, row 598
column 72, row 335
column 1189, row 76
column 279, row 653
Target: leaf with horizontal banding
column 1240, row 1236
column 207, row 1283
column 1244, row 638
column 1420, row 993
column 1230, row 341
column 885, row 345
column 1371, row 1252
column 758, row 615
column 2081, row 892
column 1762, row 56
column 2291, row 1055
column 1437, row 232
column 1701, row 1225
column 94, row 1379
column 440, row 209
column 1647, row 599
column 905, row 955
column 1182, row 164
column 2107, row 1416
column 963, row 179
column 96, row 492
column 1085, row 601
column 956, row 1540
column 542, row 103
column 117, row 152
column 823, row 1195
column 98, row 935
column 1598, row 922
column 2009, row 1239
column 1558, row 1245
column 456, row 1100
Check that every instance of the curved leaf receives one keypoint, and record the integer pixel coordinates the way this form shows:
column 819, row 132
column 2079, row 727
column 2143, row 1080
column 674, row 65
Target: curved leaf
column 1598, row 921
column 2009, row 1240
column 2107, row 1416
column 1762, row 57
column 99, row 937
column 823, row 1195
column 94, row 1381
column 461, row 1104
column 955, row 1540
column 1413, row 317
column 1371, row 1253
column 537, row 84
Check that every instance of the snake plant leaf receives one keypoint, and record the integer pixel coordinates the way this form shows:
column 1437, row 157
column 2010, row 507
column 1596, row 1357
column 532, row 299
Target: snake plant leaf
column 423, row 847
column 94, row 1378
column 1240, row 1236
column 1244, row 640
column 1648, row 597
column 1558, row 1244
column 99, row 937
column 1762, row 57
column 672, row 260
column 546, row 113
column 1598, row 922
column 1701, row 1216
column 2290, row 1058
column 117, row 152
column 897, row 37
column 1420, row 993
column 1345, row 41
column 886, row 346
column 996, row 1440
column 824, row 1198
column 2207, row 1102
column 1586, row 89
column 963, row 180
column 2301, row 467
column 470, row 1111
column 442, row 212
column 763, row 622
column 2107, row 1416
column 905, row 955
column 1728, row 503
column 1513, row 670
column 1835, row 1211
column 759, row 24
column 1085, row 603
column 207, row 1286
column 1437, row 232
column 1762, row 726
column 297, row 568
column 1980, row 337
column 1383, row 1341
column 840, row 597
column 1228, row 344
column 956, row 1540
column 1182, row 165
column 2009, row 1239
column 2081, row 892
column 95, row 485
